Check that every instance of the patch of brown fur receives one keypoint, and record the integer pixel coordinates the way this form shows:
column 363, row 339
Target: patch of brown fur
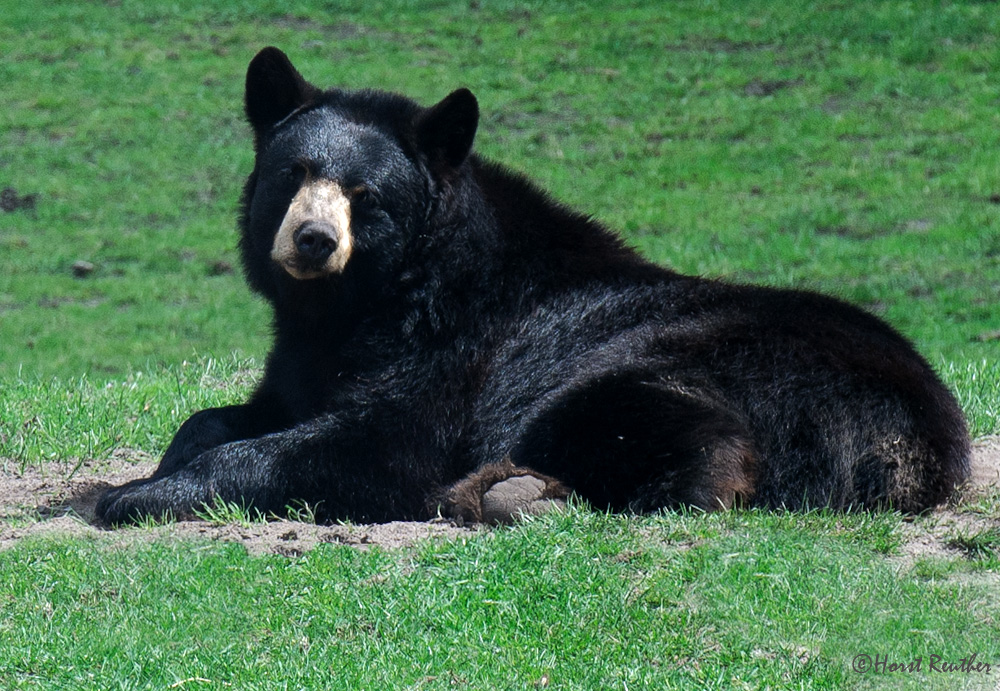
column 732, row 475
column 906, row 461
column 914, row 481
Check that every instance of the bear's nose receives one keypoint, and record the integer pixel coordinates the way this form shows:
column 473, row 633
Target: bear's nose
column 315, row 241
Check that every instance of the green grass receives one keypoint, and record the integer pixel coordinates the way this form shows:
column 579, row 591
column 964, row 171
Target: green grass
column 735, row 601
column 79, row 417
column 846, row 147
column 221, row 512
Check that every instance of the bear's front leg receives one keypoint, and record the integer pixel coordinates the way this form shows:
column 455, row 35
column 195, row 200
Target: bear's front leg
column 213, row 427
column 248, row 472
column 201, row 432
column 340, row 466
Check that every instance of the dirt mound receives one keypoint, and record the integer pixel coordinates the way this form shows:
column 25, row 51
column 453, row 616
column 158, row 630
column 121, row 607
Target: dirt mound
column 58, row 498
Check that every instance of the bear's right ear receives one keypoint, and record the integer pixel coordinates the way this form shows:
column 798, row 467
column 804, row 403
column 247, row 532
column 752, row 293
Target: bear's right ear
column 274, row 89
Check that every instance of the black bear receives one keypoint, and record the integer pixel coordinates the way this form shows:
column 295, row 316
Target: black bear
column 442, row 326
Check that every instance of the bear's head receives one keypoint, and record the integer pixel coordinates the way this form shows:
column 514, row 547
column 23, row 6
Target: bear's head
column 343, row 180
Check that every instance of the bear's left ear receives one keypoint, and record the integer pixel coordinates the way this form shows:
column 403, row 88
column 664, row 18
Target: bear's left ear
column 445, row 131
column 274, row 88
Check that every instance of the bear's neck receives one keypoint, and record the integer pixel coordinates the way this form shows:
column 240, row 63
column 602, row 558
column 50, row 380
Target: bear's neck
column 548, row 245
column 500, row 247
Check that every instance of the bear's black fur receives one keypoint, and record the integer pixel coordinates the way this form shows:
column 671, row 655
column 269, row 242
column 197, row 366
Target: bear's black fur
column 441, row 324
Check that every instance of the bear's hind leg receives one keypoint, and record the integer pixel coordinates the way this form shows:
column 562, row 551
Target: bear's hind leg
column 631, row 441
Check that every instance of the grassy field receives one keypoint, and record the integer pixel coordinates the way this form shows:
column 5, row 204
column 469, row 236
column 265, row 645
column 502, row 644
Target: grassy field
column 844, row 149
column 582, row 601
column 851, row 148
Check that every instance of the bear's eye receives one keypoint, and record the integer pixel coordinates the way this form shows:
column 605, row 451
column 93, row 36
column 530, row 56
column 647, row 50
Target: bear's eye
column 296, row 172
column 363, row 196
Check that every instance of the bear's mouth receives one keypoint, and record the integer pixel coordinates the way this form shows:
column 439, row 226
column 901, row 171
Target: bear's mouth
column 314, row 239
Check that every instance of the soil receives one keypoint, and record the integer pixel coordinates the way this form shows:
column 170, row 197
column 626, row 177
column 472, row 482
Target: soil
column 58, row 498
column 934, row 535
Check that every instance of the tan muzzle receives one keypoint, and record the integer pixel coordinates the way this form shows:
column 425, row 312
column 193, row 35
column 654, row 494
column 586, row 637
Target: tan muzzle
column 314, row 239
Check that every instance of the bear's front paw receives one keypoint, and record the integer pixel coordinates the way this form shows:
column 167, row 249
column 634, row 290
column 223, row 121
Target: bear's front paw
column 137, row 500
column 118, row 504
column 498, row 493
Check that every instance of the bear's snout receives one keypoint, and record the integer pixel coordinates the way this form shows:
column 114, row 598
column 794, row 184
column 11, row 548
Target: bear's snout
column 315, row 242
column 314, row 239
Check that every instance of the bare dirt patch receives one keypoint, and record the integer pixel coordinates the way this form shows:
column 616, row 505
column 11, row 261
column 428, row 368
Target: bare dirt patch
column 974, row 510
column 58, row 498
